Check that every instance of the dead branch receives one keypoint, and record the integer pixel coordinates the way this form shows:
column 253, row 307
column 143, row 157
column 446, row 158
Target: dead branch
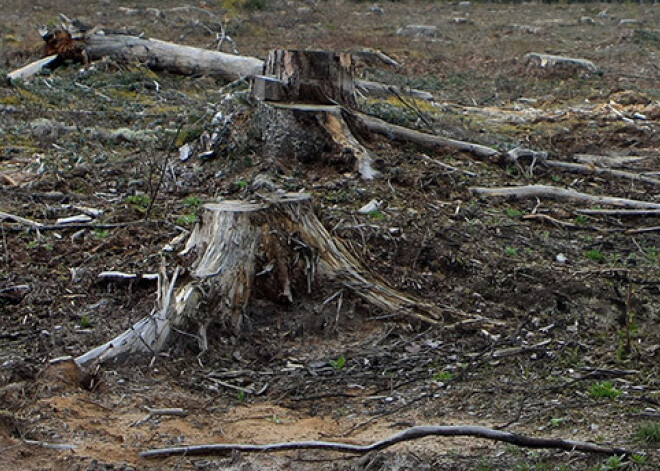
column 544, row 191
column 412, row 433
column 26, row 222
column 592, row 169
column 619, row 212
column 425, row 140
column 607, row 160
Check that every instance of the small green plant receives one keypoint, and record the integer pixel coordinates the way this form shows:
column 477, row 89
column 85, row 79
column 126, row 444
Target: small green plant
column 242, row 184
column 613, row 462
column 85, row 322
column 595, row 255
column 649, row 433
column 240, row 395
column 604, row 390
column 101, row 233
column 639, row 459
column 580, row 219
column 339, row 363
column 192, row 202
column 33, row 244
column 187, row 219
column 513, row 213
column 556, row 422
column 376, row 215
column 442, row 376
column 140, row 202
column 511, row 251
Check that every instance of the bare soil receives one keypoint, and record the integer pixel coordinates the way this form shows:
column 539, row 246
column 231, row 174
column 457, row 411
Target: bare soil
column 576, row 302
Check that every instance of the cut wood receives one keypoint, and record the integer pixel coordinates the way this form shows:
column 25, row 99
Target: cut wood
column 274, row 250
column 413, row 433
column 548, row 60
column 543, row 191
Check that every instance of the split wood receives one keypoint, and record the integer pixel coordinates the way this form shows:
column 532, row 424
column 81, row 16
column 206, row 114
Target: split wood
column 412, row 433
column 544, row 191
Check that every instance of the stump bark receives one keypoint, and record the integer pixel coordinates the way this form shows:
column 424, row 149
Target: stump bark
column 273, row 250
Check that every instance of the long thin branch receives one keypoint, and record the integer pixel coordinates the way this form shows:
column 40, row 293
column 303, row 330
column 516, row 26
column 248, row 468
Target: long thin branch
column 412, row 433
column 544, row 191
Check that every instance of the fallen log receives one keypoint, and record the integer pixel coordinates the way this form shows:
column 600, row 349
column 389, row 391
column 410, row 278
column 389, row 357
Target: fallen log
column 186, row 60
column 409, row 434
column 175, row 58
column 551, row 61
column 543, row 191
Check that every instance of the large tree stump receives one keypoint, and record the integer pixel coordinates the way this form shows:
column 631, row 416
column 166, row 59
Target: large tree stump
column 273, row 251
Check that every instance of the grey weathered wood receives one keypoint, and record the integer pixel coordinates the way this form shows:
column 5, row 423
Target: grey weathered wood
column 163, row 55
column 548, row 60
column 31, row 69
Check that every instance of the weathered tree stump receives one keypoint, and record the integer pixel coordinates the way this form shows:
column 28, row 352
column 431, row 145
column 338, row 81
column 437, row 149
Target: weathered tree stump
column 273, row 250
column 319, row 77
column 300, row 114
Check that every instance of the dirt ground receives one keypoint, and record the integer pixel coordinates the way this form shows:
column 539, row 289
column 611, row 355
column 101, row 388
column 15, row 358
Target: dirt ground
column 573, row 346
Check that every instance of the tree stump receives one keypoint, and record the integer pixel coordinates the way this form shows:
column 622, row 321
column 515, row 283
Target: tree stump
column 300, row 116
column 273, row 250
column 319, row 77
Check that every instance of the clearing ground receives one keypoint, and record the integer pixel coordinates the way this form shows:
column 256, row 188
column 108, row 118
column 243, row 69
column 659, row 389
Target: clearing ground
column 574, row 347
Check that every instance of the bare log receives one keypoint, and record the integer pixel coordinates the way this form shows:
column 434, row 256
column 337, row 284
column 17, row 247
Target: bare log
column 543, row 191
column 412, row 433
column 175, row 58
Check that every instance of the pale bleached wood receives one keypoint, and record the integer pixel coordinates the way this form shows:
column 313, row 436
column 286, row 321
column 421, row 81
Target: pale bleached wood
column 31, row 69
column 543, row 191
column 163, row 55
column 549, row 60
